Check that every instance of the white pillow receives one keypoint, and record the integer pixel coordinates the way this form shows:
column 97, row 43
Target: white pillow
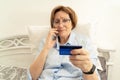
column 84, row 29
column 35, row 33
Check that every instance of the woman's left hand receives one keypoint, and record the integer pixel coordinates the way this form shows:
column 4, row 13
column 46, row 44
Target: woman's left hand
column 81, row 59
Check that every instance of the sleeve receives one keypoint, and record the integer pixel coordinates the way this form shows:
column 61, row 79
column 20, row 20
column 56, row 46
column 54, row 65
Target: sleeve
column 41, row 44
column 29, row 75
column 93, row 55
column 37, row 53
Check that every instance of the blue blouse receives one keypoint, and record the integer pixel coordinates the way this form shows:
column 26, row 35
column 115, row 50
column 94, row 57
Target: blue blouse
column 58, row 67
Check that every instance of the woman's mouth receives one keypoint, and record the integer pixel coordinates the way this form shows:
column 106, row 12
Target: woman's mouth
column 60, row 30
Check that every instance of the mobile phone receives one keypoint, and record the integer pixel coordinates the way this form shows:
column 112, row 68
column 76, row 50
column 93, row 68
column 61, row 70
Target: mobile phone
column 54, row 36
column 65, row 50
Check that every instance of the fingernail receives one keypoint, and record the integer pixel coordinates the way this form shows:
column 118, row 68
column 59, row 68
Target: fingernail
column 70, row 51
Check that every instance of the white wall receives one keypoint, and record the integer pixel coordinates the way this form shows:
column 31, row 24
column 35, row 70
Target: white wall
column 113, row 31
column 103, row 14
column 16, row 14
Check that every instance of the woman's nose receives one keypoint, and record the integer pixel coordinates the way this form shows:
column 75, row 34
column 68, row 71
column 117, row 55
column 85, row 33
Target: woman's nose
column 60, row 24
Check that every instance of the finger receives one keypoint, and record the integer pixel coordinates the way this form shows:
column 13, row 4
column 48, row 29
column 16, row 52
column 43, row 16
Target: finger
column 79, row 57
column 54, row 37
column 79, row 52
column 76, row 62
column 54, row 31
column 79, row 62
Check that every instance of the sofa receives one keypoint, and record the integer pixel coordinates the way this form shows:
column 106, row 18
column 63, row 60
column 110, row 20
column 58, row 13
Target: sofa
column 17, row 52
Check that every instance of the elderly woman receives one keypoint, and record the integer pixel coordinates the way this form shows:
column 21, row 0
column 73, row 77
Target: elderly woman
column 50, row 65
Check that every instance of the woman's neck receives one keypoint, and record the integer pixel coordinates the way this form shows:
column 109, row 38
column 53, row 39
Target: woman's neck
column 63, row 40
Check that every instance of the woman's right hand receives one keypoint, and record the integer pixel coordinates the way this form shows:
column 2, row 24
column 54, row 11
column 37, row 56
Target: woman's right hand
column 50, row 42
column 37, row 66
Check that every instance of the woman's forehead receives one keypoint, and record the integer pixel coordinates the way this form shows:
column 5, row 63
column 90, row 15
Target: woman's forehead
column 61, row 15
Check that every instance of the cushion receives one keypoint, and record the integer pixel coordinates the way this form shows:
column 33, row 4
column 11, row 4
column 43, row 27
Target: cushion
column 84, row 29
column 12, row 73
column 16, row 44
column 37, row 32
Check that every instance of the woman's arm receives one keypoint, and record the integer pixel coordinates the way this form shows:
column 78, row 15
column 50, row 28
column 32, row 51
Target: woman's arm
column 81, row 59
column 37, row 66
column 93, row 76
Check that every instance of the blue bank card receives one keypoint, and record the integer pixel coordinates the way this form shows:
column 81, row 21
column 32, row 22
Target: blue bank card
column 65, row 50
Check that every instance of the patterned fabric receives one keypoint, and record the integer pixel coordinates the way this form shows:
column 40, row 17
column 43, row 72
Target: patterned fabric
column 12, row 73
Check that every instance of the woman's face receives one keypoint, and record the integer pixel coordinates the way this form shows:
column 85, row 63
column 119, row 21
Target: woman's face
column 63, row 24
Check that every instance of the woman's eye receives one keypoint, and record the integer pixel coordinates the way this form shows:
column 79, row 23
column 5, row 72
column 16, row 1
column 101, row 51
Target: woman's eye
column 57, row 21
column 64, row 20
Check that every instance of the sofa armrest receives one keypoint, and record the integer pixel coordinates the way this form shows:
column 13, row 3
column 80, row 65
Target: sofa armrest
column 107, row 53
column 103, row 73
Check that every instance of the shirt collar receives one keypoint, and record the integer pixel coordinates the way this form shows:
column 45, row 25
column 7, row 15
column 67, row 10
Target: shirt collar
column 71, row 39
column 69, row 42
